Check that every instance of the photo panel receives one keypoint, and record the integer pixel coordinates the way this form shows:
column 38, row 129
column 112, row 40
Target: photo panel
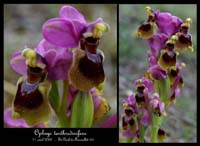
column 157, row 73
column 60, row 71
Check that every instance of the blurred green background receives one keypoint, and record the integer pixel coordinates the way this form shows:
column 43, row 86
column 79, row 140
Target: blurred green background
column 180, row 124
column 23, row 24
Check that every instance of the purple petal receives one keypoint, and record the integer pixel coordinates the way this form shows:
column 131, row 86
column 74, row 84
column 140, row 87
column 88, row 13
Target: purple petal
column 146, row 82
column 130, row 133
column 175, row 86
column 59, row 70
column 156, row 96
column 110, row 122
column 157, row 42
column 71, row 94
column 152, row 58
column 47, row 51
column 58, row 59
column 96, row 98
column 146, row 95
column 162, row 107
column 154, row 100
column 13, row 123
column 177, row 92
column 71, row 13
column 17, row 123
column 79, row 27
column 145, row 120
column 167, row 23
column 154, row 103
column 60, row 32
column 157, row 72
column 130, row 100
column 18, row 63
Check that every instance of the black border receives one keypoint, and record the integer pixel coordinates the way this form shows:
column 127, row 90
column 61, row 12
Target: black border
column 109, row 136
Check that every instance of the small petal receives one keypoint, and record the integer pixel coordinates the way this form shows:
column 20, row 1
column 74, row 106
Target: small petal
column 157, row 42
column 71, row 94
column 102, row 110
column 175, row 89
column 58, row 59
column 162, row 108
column 101, row 107
column 145, row 120
column 59, row 70
column 152, row 58
column 13, row 123
column 97, row 99
column 110, row 122
column 130, row 100
column 154, row 103
column 130, row 133
column 60, row 32
column 157, row 72
column 18, row 63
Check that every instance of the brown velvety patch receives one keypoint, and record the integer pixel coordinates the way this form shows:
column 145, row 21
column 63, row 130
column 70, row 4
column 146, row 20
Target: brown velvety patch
column 91, row 70
column 29, row 101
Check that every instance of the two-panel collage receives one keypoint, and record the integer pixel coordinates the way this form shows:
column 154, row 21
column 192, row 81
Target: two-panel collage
column 131, row 67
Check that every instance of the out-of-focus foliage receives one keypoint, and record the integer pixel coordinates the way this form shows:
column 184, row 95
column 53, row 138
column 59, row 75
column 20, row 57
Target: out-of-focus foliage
column 181, row 120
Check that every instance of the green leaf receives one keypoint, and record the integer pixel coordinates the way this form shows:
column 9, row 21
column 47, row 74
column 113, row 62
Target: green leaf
column 156, row 86
column 156, row 122
column 129, row 140
column 61, row 112
column 88, row 112
column 54, row 96
column 162, row 87
column 142, row 133
column 82, row 111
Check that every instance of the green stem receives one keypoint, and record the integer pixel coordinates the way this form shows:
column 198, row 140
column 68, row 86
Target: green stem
column 154, row 131
column 157, row 120
column 162, row 87
column 142, row 132
column 82, row 111
column 62, row 115
column 54, row 96
column 129, row 140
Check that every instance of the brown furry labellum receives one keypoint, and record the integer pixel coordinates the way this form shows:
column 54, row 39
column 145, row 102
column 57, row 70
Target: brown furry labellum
column 85, row 73
column 146, row 30
column 31, row 100
column 184, row 41
column 167, row 59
